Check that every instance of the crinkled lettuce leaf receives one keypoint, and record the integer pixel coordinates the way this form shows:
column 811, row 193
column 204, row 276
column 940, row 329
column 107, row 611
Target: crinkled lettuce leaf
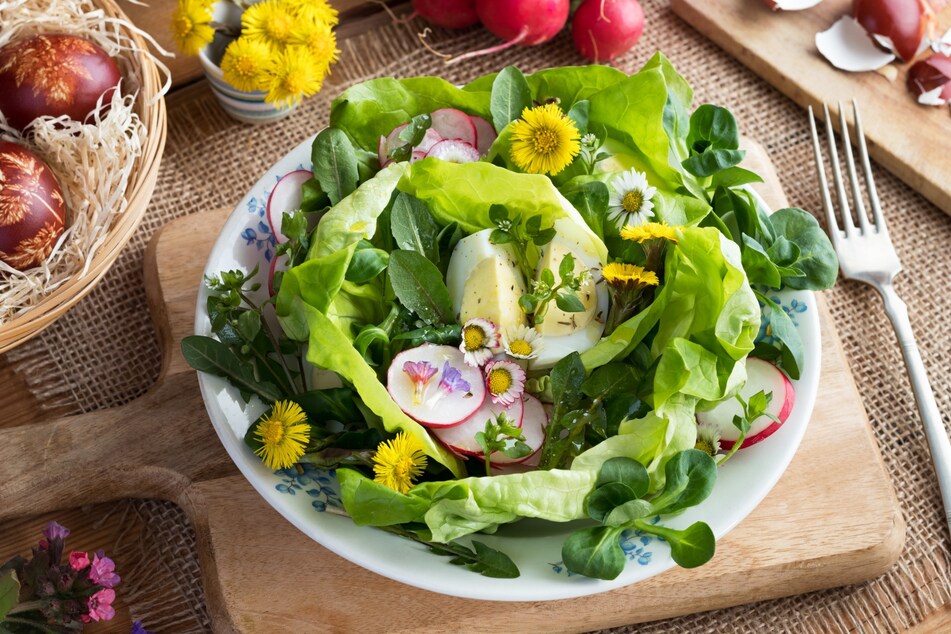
column 567, row 84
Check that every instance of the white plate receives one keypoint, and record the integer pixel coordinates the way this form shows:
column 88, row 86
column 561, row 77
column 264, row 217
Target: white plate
column 535, row 546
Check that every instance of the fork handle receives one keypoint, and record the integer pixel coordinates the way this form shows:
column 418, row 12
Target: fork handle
column 934, row 427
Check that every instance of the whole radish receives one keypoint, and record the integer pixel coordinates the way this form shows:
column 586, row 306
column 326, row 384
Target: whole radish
column 523, row 22
column 604, row 29
column 449, row 14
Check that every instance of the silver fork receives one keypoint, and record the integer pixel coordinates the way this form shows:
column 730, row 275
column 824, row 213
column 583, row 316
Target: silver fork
column 866, row 254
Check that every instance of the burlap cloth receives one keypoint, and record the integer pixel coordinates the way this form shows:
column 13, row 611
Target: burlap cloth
column 89, row 362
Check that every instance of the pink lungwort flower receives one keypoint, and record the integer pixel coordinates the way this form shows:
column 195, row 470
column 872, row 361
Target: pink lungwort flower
column 505, row 381
column 420, row 373
column 78, row 560
column 100, row 606
column 102, row 571
column 54, row 530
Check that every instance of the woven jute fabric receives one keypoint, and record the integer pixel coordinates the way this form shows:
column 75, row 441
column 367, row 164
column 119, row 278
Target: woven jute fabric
column 89, row 362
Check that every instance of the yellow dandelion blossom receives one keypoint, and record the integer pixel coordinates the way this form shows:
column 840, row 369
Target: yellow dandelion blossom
column 649, row 231
column 294, row 74
column 620, row 274
column 270, row 22
column 283, row 433
column 544, row 140
column 245, row 64
column 191, row 25
column 314, row 11
column 398, row 462
column 321, row 41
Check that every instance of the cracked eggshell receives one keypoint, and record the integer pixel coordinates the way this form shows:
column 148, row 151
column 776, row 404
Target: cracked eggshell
column 790, row 5
column 899, row 24
column 847, row 46
column 930, row 80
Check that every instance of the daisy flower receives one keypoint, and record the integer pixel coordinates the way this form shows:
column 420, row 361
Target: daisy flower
column 708, row 439
column 399, row 461
column 191, row 25
column 630, row 202
column 283, row 433
column 544, row 140
column 420, row 373
column 479, row 337
column 505, row 381
column 245, row 64
column 522, row 342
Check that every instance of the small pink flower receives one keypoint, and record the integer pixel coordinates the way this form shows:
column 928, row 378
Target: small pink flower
column 54, row 530
column 420, row 373
column 78, row 560
column 102, row 571
column 100, row 606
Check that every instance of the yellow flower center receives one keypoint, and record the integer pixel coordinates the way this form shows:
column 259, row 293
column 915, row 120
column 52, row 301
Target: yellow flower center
column 473, row 337
column 545, row 140
column 520, row 346
column 279, row 26
column 632, row 201
column 182, row 25
column 705, row 446
column 245, row 66
column 500, row 380
column 273, row 431
column 295, row 82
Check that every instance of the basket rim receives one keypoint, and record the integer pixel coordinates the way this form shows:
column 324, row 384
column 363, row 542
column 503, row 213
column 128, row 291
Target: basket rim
column 137, row 195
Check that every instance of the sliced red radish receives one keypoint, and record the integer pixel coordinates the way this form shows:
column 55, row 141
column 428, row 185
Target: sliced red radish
column 454, row 124
column 455, row 152
column 434, row 385
column 392, row 141
column 847, row 46
column 285, row 197
column 417, row 156
column 534, row 421
column 761, row 376
column 930, row 80
column 462, row 438
column 485, row 134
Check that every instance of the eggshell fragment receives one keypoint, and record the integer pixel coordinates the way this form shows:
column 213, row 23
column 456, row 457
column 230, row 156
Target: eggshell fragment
column 847, row 46
column 930, row 80
column 900, row 24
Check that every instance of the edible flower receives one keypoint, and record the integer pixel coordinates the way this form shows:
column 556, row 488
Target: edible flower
column 103, row 571
column 630, row 202
column 245, row 64
column 626, row 284
column 55, row 530
column 452, row 381
column 100, row 606
column 649, row 231
column 544, row 140
column 505, row 381
column 296, row 73
column 522, row 342
column 191, row 25
column 283, row 433
column 708, row 439
column 420, row 373
column 270, row 22
column 78, row 560
column 322, row 43
column 479, row 337
column 315, row 11
column 399, row 461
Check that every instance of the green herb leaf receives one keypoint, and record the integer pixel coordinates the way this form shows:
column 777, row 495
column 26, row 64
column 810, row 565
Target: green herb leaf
column 366, row 264
column 333, row 404
column 579, row 114
column 594, row 552
column 817, row 259
column 606, row 497
column 313, row 197
column 249, row 325
column 510, row 96
column 712, row 161
column 569, row 302
column 591, row 201
column 9, row 591
column 759, row 268
column 625, row 514
column 712, row 127
column 335, row 164
column 626, row 471
column 783, row 330
column 419, row 286
column 413, row 227
column 213, row 357
column 691, row 547
column 735, row 176
column 492, row 563
column 691, row 475
column 613, row 379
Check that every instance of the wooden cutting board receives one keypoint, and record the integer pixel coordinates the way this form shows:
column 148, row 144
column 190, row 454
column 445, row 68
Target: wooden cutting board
column 911, row 141
column 832, row 519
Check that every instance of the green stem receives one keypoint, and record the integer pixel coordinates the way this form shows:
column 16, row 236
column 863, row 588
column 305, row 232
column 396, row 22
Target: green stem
column 40, row 626
column 271, row 337
column 733, row 450
column 26, row 606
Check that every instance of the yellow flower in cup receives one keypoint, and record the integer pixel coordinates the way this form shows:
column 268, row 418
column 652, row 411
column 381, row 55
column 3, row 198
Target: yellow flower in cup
column 398, row 462
column 544, row 140
column 245, row 64
column 295, row 73
column 314, row 11
column 321, row 41
column 270, row 22
column 283, row 433
column 191, row 25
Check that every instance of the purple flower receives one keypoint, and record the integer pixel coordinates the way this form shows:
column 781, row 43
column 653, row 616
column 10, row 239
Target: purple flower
column 452, row 380
column 102, row 571
column 420, row 373
column 54, row 530
column 100, row 606
column 138, row 629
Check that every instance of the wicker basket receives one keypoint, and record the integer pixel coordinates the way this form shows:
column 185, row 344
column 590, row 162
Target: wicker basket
column 141, row 184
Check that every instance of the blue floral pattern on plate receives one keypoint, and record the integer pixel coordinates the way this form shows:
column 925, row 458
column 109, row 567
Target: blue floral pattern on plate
column 318, row 484
column 794, row 308
column 258, row 233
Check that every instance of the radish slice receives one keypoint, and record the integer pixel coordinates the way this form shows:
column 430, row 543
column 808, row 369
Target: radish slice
column 392, row 141
column 485, row 134
column 417, row 156
column 761, row 376
column 454, row 124
column 455, row 152
column 461, row 438
column 534, row 421
column 847, row 46
column 286, row 196
column 790, row 5
column 420, row 380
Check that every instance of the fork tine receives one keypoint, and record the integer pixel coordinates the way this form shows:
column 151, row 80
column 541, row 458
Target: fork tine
column 869, row 179
column 853, row 178
column 823, row 184
column 846, row 211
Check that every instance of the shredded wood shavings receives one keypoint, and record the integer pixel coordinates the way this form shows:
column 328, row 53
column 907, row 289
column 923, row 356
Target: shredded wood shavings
column 93, row 162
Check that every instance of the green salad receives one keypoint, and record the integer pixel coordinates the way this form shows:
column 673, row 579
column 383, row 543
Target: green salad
column 530, row 296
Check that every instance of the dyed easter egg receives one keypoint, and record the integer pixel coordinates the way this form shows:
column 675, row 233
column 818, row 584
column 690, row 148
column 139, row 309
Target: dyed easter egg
column 54, row 74
column 32, row 211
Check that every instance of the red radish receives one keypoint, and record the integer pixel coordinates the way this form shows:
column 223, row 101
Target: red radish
column 485, row 134
column 417, row 156
column 286, row 196
column 461, row 438
column 898, row 25
column 454, row 124
column 930, row 80
column 434, row 385
column 534, row 422
column 455, row 152
column 761, row 376
column 392, row 141
column 449, row 14
column 604, row 29
column 519, row 22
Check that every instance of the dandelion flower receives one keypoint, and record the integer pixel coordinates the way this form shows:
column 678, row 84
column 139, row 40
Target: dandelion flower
column 479, row 337
column 618, row 275
column 544, row 140
column 626, row 284
column 649, row 231
column 322, row 43
column 283, row 433
column 708, row 439
column 245, row 64
column 505, row 381
column 295, row 74
column 270, row 22
column 630, row 202
column 522, row 342
column 314, row 11
column 191, row 25
column 398, row 462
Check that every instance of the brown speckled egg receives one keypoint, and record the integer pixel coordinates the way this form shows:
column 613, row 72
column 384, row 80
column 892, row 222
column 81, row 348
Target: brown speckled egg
column 53, row 74
column 32, row 211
